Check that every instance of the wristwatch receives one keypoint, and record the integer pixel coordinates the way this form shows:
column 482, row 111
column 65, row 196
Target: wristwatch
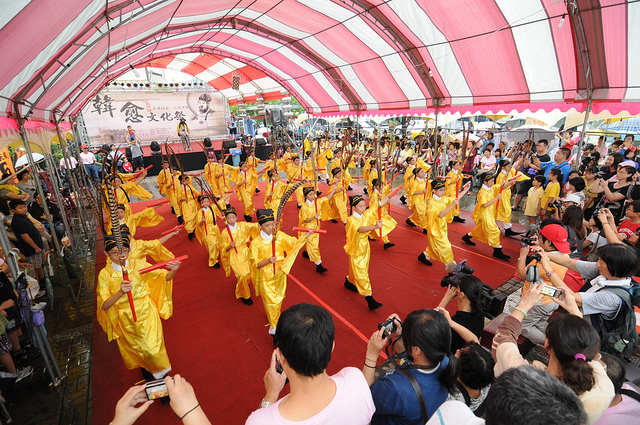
column 265, row 403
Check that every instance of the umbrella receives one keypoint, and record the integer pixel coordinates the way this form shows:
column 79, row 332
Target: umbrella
column 631, row 125
column 24, row 159
column 472, row 137
column 486, row 125
column 533, row 132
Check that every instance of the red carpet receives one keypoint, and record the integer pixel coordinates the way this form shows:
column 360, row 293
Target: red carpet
column 222, row 346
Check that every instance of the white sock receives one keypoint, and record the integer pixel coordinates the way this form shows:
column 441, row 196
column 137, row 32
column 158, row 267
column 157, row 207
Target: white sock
column 272, row 330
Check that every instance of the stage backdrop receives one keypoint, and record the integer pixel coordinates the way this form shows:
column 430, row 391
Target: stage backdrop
column 154, row 116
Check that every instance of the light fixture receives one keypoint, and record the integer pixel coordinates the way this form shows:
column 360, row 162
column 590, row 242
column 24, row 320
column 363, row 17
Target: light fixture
column 561, row 23
column 135, row 71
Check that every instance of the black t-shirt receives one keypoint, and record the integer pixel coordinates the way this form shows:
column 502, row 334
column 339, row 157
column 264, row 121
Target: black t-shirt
column 470, row 321
column 6, row 289
column 20, row 224
column 616, row 207
column 542, row 158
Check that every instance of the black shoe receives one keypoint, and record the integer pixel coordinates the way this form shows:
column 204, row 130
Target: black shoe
column 423, row 259
column 180, row 219
column 497, row 253
column 299, row 206
column 349, row 188
column 257, row 190
column 173, row 211
column 216, row 266
column 305, row 254
column 467, row 239
column 320, row 268
column 24, row 355
column 457, row 219
column 192, row 235
column 327, row 181
column 373, row 304
column 334, row 221
column 247, row 301
column 350, row 286
column 148, row 376
column 248, row 218
column 365, row 191
column 389, row 245
column 403, row 199
column 509, row 232
column 410, row 223
column 425, row 231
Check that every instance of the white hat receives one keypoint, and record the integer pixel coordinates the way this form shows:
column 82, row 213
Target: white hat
column 573, row 197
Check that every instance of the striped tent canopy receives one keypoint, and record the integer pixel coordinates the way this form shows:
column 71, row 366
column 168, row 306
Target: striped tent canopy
column 335, row 55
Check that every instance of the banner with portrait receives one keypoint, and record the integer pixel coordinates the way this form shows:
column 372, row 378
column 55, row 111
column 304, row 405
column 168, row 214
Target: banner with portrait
column 153, row 116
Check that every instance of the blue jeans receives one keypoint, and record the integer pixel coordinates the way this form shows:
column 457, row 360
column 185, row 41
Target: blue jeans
column 92, row 171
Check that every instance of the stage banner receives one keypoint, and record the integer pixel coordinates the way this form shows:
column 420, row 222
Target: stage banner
column 154, row 116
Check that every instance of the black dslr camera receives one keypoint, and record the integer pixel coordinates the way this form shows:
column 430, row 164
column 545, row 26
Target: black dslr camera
column 389, row 326
column 530, row 237
column 453, row 278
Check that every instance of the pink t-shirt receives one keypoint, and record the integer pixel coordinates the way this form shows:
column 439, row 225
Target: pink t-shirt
column 352, row 404
column 625, row 412
column 488, row 163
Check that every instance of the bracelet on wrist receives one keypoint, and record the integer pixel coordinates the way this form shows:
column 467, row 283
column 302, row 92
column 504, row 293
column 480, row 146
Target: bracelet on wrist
column 551, row 272
column 265, row 403
column 189, row 411
column 370, row 367
column 521, row 311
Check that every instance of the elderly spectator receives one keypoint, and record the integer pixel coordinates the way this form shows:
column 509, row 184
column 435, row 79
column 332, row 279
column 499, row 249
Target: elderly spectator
column 304, row 341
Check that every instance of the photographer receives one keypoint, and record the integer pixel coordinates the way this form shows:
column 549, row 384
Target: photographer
column 611, row 165
column 470, row 314
column 614, row 237
column 615, row 192
column 426, row 336
column 552, row 237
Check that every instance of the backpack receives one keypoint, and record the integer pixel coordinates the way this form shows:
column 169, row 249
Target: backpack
column 620, row 336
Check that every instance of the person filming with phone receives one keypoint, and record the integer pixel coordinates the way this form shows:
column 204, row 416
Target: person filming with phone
column 552, row 237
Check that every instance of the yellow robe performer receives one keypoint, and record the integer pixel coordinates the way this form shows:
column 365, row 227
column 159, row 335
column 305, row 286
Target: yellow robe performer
column 172, row 191
column 148, row 217
column 245, row 192
column 503, row 206
column 274, row 190
column 339, row 201
column 454, row 183
column 207, row 230
column 188, row 197
column 388, row 222
column 164, row 177
column 419, row 197
column 270, row 285
column 310, row 216
column 484, row 215
column 141, row 343
column 234, row 252
column 359, row 224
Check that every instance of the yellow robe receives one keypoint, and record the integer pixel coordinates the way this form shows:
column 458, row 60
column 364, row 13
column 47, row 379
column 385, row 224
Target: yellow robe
column 282, row 166
column 269, row 285
column 503, row 207
column 139, row 249
column 208, row 233
column 275, row 190
column 366, row 169
column 438, row 234
column 359, row 251
column 486, row 229
column 229, row 174
column 307, row 211
column 453, row 183
column 172, row 194
column 294, row 174
column 209, row 175
column 245, row 192
column 252, row 172
column 238, row 259
column 141, row 343
column 188, row 208
column 388, row 222
column 164, row 177
column 340, row 200
column 419, row 203
column 148, row 217
column 124, row 193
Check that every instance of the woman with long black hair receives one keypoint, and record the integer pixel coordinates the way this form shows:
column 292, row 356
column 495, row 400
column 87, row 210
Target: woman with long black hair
column 615, row 193
column 468, row 321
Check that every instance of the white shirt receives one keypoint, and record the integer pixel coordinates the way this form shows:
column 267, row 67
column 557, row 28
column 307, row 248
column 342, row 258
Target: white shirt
column 71, row 162
column 87, row 158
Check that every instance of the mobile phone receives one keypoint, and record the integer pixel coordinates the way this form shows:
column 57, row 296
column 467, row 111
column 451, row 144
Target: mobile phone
column 551, row 291
column 156, row 389
column 278, row 366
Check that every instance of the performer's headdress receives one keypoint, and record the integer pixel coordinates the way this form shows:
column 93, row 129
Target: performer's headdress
column 121, row 207
column 504, row 162
column 201, row 197
column 416, row 170
column 335, row 171
column 307, row 190
column 230, row 210
column 487, row 176
column 437, row 184
column 270, row 173
column 265, row 216
column 355, row 200
column 110, row 242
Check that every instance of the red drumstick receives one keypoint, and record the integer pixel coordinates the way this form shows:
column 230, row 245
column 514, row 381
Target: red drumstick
column 139, row 173
column 395, row 192
column 231, row 236
column 158, row 203
column 125, row 277
column 161, row 265
column 306, row 229
column 178, row 227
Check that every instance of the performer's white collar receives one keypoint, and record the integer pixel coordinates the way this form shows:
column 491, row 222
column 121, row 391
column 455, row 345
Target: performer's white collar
column 419, row 178
column 436, row 197
column 117, row 267
column 356, row 215
column 265, row 236
column 233, row 227
column 308, row 201
column 504, row 171
column 484, row 186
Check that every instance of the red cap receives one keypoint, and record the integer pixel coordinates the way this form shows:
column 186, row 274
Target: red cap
column 557, row 234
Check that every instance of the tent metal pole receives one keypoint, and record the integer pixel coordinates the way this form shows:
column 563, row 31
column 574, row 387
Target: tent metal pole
column 584, row 129
column 74, row 186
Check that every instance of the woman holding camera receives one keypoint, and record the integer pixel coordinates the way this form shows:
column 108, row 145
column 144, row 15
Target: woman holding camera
column 615, row 192
column 470, row 314
column 611, row 165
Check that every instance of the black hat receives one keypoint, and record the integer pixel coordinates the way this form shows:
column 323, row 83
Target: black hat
column 265, row 216
column 110, row 242
column 355, row 200
column 335, row 171
column 270, row 173
column 201, row 197
column 416, row 170
column 306, row 191
column 230, row 210
column 121, row 207
column 437, row 184
column 374, row 182
column 504, row 162
column 487, row 176
column 588, row 147
column 125, row 229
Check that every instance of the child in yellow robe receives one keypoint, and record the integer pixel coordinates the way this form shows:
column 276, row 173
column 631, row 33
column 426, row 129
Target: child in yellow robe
column 188, row 197
column 453, row 184
column 125, row 189
column 362, row 221
column 224, row 174
column 234, row 252
column 410, row 164
column 245, row 192
column 503, row 208
column 271, row 262
column 341, row 181
column 139, row 249
column 145, row 218
column 172, row 189
column 207, row 230
column 388, row 222
column 210, row 175
column 420, row 194
column 274, row 190
column 141, row 343
column 439, row 207
column 484, row 215
column 252, row 171
column 310, row 216
column 298, row 172
column 164, row 176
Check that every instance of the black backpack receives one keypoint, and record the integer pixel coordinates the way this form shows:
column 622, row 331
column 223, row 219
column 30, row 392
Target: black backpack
column 620, row 336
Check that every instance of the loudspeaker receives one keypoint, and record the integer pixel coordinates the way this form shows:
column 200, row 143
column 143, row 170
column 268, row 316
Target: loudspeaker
column 207, row 142
column 229, row 144
column 261, row 141
column 277, row 117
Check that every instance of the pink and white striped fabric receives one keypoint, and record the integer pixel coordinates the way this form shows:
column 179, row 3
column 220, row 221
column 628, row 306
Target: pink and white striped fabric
column 332, row 55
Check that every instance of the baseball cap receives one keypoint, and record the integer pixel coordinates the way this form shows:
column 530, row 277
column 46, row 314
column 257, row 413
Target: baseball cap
column 588, row 147
column 573, row 197
column 557, row 234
